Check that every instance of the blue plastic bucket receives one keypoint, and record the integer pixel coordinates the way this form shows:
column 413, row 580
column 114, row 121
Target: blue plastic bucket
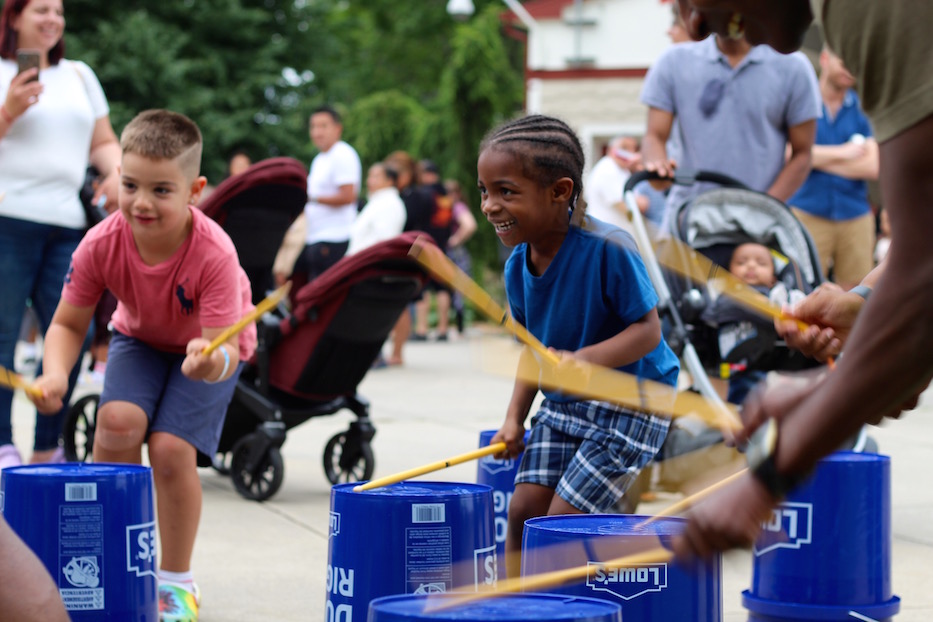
column 500, row 475
column 659, row 592
column 509, row 608
column 826, row 552
column 93, row 527
column 407, row 538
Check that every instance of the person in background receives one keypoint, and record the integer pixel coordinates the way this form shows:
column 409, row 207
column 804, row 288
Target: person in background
column 833, row 202
column 333, row 191
column 884, row 324
column 54, row 121
column 604, row 184
column 438, row 226
column 383, row 216
column 463, row 228
column 737, row 107
column 419, row 206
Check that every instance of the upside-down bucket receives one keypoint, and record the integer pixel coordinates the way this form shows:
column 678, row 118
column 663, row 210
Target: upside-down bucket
column 407, row 538
column 93, row 526
column 652, row 592
column 826, row 552
column 508, row 608
column 500, row 476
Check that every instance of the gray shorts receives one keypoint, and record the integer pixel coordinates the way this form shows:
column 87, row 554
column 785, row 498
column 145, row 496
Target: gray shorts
column 192, row 410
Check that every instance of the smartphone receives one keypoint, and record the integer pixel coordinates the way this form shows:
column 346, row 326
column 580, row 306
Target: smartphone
column 27, row 59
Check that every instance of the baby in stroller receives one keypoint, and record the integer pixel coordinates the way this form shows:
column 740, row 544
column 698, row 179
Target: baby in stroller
column 745, row 338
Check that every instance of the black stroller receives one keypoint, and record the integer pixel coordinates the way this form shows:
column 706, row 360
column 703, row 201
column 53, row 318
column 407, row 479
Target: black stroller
column 713, row 224
column 308, row 362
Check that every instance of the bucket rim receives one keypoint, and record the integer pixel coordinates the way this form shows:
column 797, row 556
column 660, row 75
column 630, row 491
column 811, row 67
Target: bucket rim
column 508, row 602
column 804, row 611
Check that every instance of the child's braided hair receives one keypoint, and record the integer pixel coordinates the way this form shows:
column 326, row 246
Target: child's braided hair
column 551, row 149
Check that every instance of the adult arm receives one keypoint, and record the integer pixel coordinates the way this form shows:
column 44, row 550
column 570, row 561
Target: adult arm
column 105, row 156
column 27, row 592
column 888, row 360
column 654, row 143
column 345, row 194
column 850, row 160
column 466, row 227
column 830, row 312
column 800, row 139
column 20, row 95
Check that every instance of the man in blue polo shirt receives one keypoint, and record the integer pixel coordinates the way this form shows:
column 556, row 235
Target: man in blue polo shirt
column 833, row 202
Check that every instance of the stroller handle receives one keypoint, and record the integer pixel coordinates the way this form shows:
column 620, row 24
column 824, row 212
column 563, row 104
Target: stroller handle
column 685, row 178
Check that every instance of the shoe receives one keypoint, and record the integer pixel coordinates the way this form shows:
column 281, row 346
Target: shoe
column 417, row 337
column 441, row 337
column 176, row 604
column 9, row 456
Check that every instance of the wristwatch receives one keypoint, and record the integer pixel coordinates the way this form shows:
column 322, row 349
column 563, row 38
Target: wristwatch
column 761, row 453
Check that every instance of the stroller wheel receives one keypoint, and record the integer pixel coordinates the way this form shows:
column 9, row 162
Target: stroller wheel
column 256, row 479
column 78, row 429
column 348, row 461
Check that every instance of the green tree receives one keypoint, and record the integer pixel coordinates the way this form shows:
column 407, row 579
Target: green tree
column 251, row 71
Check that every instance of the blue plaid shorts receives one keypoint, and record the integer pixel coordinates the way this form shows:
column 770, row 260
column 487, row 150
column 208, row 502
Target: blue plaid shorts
column 589, row 452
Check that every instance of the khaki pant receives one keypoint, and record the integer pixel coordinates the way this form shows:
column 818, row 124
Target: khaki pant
column 847, row 246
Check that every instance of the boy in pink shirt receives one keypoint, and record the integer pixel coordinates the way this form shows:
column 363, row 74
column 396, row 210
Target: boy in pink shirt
column 178, row 282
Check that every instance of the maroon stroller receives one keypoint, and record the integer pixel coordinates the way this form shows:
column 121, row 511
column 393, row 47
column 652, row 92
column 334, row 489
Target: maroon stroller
column 309, row 364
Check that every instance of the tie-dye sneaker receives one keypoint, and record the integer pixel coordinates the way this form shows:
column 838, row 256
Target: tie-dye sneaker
column 176, row 604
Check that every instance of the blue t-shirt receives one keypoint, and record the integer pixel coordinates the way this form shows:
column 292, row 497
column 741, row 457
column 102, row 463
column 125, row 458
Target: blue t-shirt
column 594, row 289
column 832, row 196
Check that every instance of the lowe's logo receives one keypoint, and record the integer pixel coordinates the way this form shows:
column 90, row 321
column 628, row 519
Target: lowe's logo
column 627, row 582
column 492, row 465
column 334, row 523
column 141, row 549
column 790, row 527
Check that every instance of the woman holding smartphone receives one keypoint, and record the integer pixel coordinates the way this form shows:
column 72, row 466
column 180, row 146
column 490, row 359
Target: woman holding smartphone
column 54, row 120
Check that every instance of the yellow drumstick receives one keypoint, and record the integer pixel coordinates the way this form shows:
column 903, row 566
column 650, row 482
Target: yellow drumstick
column 593, row 381
column 546, row 580
column 268, row 303
column 684, row 260
column 14, row 381
column 611, row 385
column 428, row 468
column 443, row 269
column 686, row 502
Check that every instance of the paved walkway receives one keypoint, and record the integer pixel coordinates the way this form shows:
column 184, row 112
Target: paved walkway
column 267, row 561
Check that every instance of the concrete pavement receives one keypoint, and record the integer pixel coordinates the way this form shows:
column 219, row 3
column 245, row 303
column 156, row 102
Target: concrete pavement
column 267, row 561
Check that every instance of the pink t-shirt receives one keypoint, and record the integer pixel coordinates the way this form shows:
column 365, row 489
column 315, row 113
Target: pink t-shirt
column 164, row 305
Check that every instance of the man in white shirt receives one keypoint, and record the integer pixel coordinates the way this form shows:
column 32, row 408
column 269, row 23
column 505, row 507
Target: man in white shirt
column 333, row 189
column 602, row 190
column 384, row 214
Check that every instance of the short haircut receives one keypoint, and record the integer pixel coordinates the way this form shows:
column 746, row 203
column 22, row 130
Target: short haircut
column 325, row 109
column 546, row 146
column 164, row 135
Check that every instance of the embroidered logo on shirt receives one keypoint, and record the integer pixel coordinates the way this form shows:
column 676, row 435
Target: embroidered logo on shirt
column 71, row 268
column 187, row 304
